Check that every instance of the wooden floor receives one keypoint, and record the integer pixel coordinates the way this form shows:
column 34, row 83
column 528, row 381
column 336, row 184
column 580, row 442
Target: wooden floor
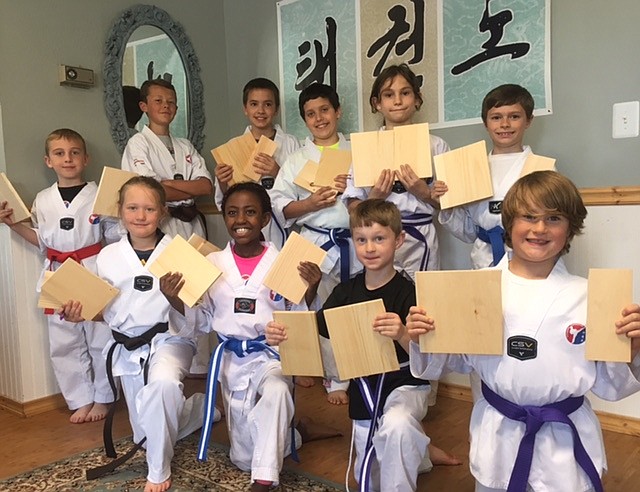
column 29, row 443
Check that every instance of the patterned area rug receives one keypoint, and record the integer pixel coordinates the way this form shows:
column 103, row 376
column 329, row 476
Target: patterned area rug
column 188, row 475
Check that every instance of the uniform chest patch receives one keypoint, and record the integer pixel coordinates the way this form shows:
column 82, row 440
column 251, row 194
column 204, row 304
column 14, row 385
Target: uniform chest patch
column 522, row 348
column 244, row 305
column 94, row 219
column 398, row 187
column 67, row 223
column 495, row 207
column 143, row 283
column 274, row 296
column 576, row 334
column 267, row 183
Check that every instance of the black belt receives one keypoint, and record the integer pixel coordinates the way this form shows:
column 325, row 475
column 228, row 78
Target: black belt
column 131, row 344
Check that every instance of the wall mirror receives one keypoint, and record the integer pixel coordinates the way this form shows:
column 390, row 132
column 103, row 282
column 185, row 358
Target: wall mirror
column 145, row 42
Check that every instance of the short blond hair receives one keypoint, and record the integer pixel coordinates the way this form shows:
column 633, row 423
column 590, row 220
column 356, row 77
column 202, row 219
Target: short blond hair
column 66, row 134
column 549, row 191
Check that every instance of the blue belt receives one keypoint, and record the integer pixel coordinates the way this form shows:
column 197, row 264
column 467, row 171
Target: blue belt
column 241, row 348
column 410, row 225
column 534, row 417
column 337, row 237
column 494, row 237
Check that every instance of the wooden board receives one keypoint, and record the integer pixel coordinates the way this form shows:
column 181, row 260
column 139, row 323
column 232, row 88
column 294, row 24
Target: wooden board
column 203, row 246
column 198, row 272
column 306, row 176
column 332, row 162
column 283, row 277
column 10, row 195
column 371, row 153
column 264, row 146
column 538, row 163
column 300, row 353
column 466, row 172
column 609, row 291
column 235, row 153
column 412, row 145
column 73, row 282
column 46, row 301
column 112, row 179
column 466, row 306
column 360, row 351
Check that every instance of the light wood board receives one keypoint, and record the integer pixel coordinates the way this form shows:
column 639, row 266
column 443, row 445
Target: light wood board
column 412, row 146
column 609, row 291
column 235, row 153
column 538, row 163
column 300, row 352
column 466, row 172
column 10, row 195
column 306, row 176
column 203, row 246
column 264, row 146
column 332, row 163
column 73, row 282
column 466, row 306
column 198, row 272
column 283, row 277
column 371, row 153
column 46, row 301
column 360, row 351
column 112, row 179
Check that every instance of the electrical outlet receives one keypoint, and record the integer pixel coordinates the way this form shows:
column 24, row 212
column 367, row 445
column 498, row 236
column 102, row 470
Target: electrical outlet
column 625, row 119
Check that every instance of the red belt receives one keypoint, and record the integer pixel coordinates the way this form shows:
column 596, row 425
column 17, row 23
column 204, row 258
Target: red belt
column 77, row 255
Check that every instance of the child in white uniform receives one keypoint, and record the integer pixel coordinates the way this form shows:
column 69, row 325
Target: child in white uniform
column 151, row 374
column 545, row 311
column 396, row 95
column 67, row 228
column 257, row 397
column 323, row 218
column 261, row 102
column 507, row 112
column 173, row 161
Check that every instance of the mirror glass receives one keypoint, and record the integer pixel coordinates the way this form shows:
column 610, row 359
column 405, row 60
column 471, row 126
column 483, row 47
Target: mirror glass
column 145, row 42
column 150, row 54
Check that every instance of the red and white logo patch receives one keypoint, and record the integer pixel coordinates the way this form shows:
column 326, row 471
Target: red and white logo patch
column 576, row 334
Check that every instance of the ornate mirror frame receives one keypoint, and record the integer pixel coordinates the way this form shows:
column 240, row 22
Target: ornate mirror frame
column 129, row 20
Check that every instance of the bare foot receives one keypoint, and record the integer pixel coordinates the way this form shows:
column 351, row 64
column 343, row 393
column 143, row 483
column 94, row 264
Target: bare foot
column 441, row 457
column 304, row 381
column 260, row 487
column 79, row 416
column 98, row 412
column 157, row 487
column 312, row 431
column 338, row 397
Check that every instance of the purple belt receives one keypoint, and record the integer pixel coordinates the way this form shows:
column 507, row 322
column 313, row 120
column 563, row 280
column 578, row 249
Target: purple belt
column 534, row 417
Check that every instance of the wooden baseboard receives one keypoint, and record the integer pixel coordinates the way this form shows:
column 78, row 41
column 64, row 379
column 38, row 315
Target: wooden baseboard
column 33, row 407
column 608, row 421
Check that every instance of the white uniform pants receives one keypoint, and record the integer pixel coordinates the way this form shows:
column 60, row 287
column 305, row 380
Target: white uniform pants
column 400, row 442
column 158, row 411
column 259, row 421
column 76, row 356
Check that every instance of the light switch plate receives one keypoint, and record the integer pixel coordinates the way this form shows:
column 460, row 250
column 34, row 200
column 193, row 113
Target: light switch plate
column 625, row 119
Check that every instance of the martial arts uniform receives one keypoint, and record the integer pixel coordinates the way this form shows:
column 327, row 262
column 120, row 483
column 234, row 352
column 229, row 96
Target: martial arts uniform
column 75, row 348
column 547, row 317
column 319, row 227
column 275, row 231
column 257, row 397
column 464, row 221
column 420, row 249
column 147, row 155
column 157, row 410
column 400, row 442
